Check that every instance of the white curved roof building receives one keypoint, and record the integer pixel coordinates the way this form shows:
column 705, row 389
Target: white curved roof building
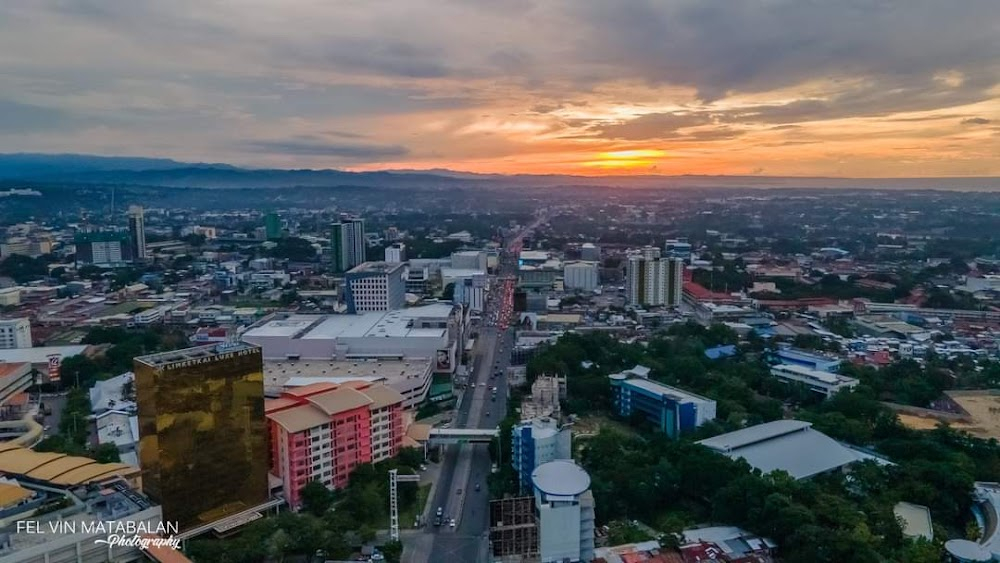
column 565, row 510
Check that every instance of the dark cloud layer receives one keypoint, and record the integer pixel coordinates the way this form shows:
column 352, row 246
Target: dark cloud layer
column 345, row 151
column 720, row 46
column 359, row 82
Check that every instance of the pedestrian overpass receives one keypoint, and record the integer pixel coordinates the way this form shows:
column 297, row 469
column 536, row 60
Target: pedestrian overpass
column 448, row 436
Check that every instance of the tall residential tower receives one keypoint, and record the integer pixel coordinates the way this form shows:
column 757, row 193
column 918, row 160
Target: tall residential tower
column 654, row 281
column 347, row 243
column 137, row 232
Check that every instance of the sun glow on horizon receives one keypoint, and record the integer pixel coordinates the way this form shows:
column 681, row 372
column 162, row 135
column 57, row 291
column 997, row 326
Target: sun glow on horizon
column 626, row 159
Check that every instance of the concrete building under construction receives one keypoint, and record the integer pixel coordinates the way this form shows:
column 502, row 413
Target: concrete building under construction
column 514, row 530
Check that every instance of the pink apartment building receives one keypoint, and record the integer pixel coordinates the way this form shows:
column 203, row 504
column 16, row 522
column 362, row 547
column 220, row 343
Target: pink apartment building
column 321, row 432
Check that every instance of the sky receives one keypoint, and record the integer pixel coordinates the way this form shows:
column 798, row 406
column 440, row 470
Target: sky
column 856, row 88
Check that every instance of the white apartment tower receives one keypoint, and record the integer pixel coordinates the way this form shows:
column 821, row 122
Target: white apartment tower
column 347, row 243
column 395, row 252
column 652, row 281
column 15, row 333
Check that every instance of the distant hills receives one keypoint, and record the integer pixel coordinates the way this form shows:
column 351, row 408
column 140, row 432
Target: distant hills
column 89, row 169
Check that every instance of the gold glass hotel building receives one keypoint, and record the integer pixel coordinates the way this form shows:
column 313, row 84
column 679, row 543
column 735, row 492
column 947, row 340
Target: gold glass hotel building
column 202, row 432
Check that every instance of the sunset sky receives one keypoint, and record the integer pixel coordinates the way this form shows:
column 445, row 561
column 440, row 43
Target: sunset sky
column 862, row 88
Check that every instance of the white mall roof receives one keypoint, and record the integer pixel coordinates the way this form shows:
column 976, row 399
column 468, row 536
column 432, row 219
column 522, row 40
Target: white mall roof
column 40, row 354
column 376, row 324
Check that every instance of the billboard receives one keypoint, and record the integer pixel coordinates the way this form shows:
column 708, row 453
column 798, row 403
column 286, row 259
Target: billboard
column 55, row 362
column 443, row 360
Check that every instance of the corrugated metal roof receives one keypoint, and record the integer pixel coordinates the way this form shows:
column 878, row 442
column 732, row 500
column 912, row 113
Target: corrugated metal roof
column 787, row 445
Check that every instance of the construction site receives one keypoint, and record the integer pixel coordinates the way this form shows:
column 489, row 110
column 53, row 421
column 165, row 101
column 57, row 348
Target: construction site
column 513, row 530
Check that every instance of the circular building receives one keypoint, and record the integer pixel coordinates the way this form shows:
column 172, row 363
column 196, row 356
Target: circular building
column 564, row 507
column 560, row 478
column 965, row 551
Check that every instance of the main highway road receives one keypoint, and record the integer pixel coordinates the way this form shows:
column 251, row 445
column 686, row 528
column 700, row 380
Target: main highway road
column 465, row 466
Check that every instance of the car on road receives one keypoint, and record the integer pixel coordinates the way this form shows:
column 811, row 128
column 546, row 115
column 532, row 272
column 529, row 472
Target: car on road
column 437, row 520
column 440, row 511
column 452, row 523
column 477, row 487
column 458, row 492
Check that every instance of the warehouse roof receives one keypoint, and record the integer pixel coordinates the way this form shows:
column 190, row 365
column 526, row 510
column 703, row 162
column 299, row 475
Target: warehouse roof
column 40, row 354
column 787, row 445
column 11, row 493
column 58, row 469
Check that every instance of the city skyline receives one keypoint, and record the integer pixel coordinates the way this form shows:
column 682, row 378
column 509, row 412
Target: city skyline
column 901, row 89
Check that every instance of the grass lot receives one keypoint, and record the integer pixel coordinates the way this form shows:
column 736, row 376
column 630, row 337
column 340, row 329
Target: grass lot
column 407, row 517
column 591, row 424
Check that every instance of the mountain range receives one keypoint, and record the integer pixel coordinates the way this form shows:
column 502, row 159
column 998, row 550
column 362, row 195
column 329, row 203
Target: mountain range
column 90, row 169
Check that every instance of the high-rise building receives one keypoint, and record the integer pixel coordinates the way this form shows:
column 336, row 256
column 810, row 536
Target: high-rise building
column 347, row 243
column 15, row 333
column 137, row 232
column 272, row 226
column 202, row 432
column 580, row 275
column 535, row 442
column 395, row 252
column 653, row 281
column 375, row 286
column 471, row 291
column 564, row 507
column 109, row 249
column 321, row 432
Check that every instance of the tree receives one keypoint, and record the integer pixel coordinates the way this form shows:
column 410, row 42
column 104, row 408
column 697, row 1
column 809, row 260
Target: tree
column 23, row 268
column 106, row 453
column 79, row 371
column 393, row 551
column 316, row 498
column 448, row 293
column 294, row 249
column 195, row 240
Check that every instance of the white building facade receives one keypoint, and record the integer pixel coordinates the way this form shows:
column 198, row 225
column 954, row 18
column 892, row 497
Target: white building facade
column 565, row 509
column 376, row 286
column 652, row 281
column 395, row 252
column 580, row 275
column 15, row 333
